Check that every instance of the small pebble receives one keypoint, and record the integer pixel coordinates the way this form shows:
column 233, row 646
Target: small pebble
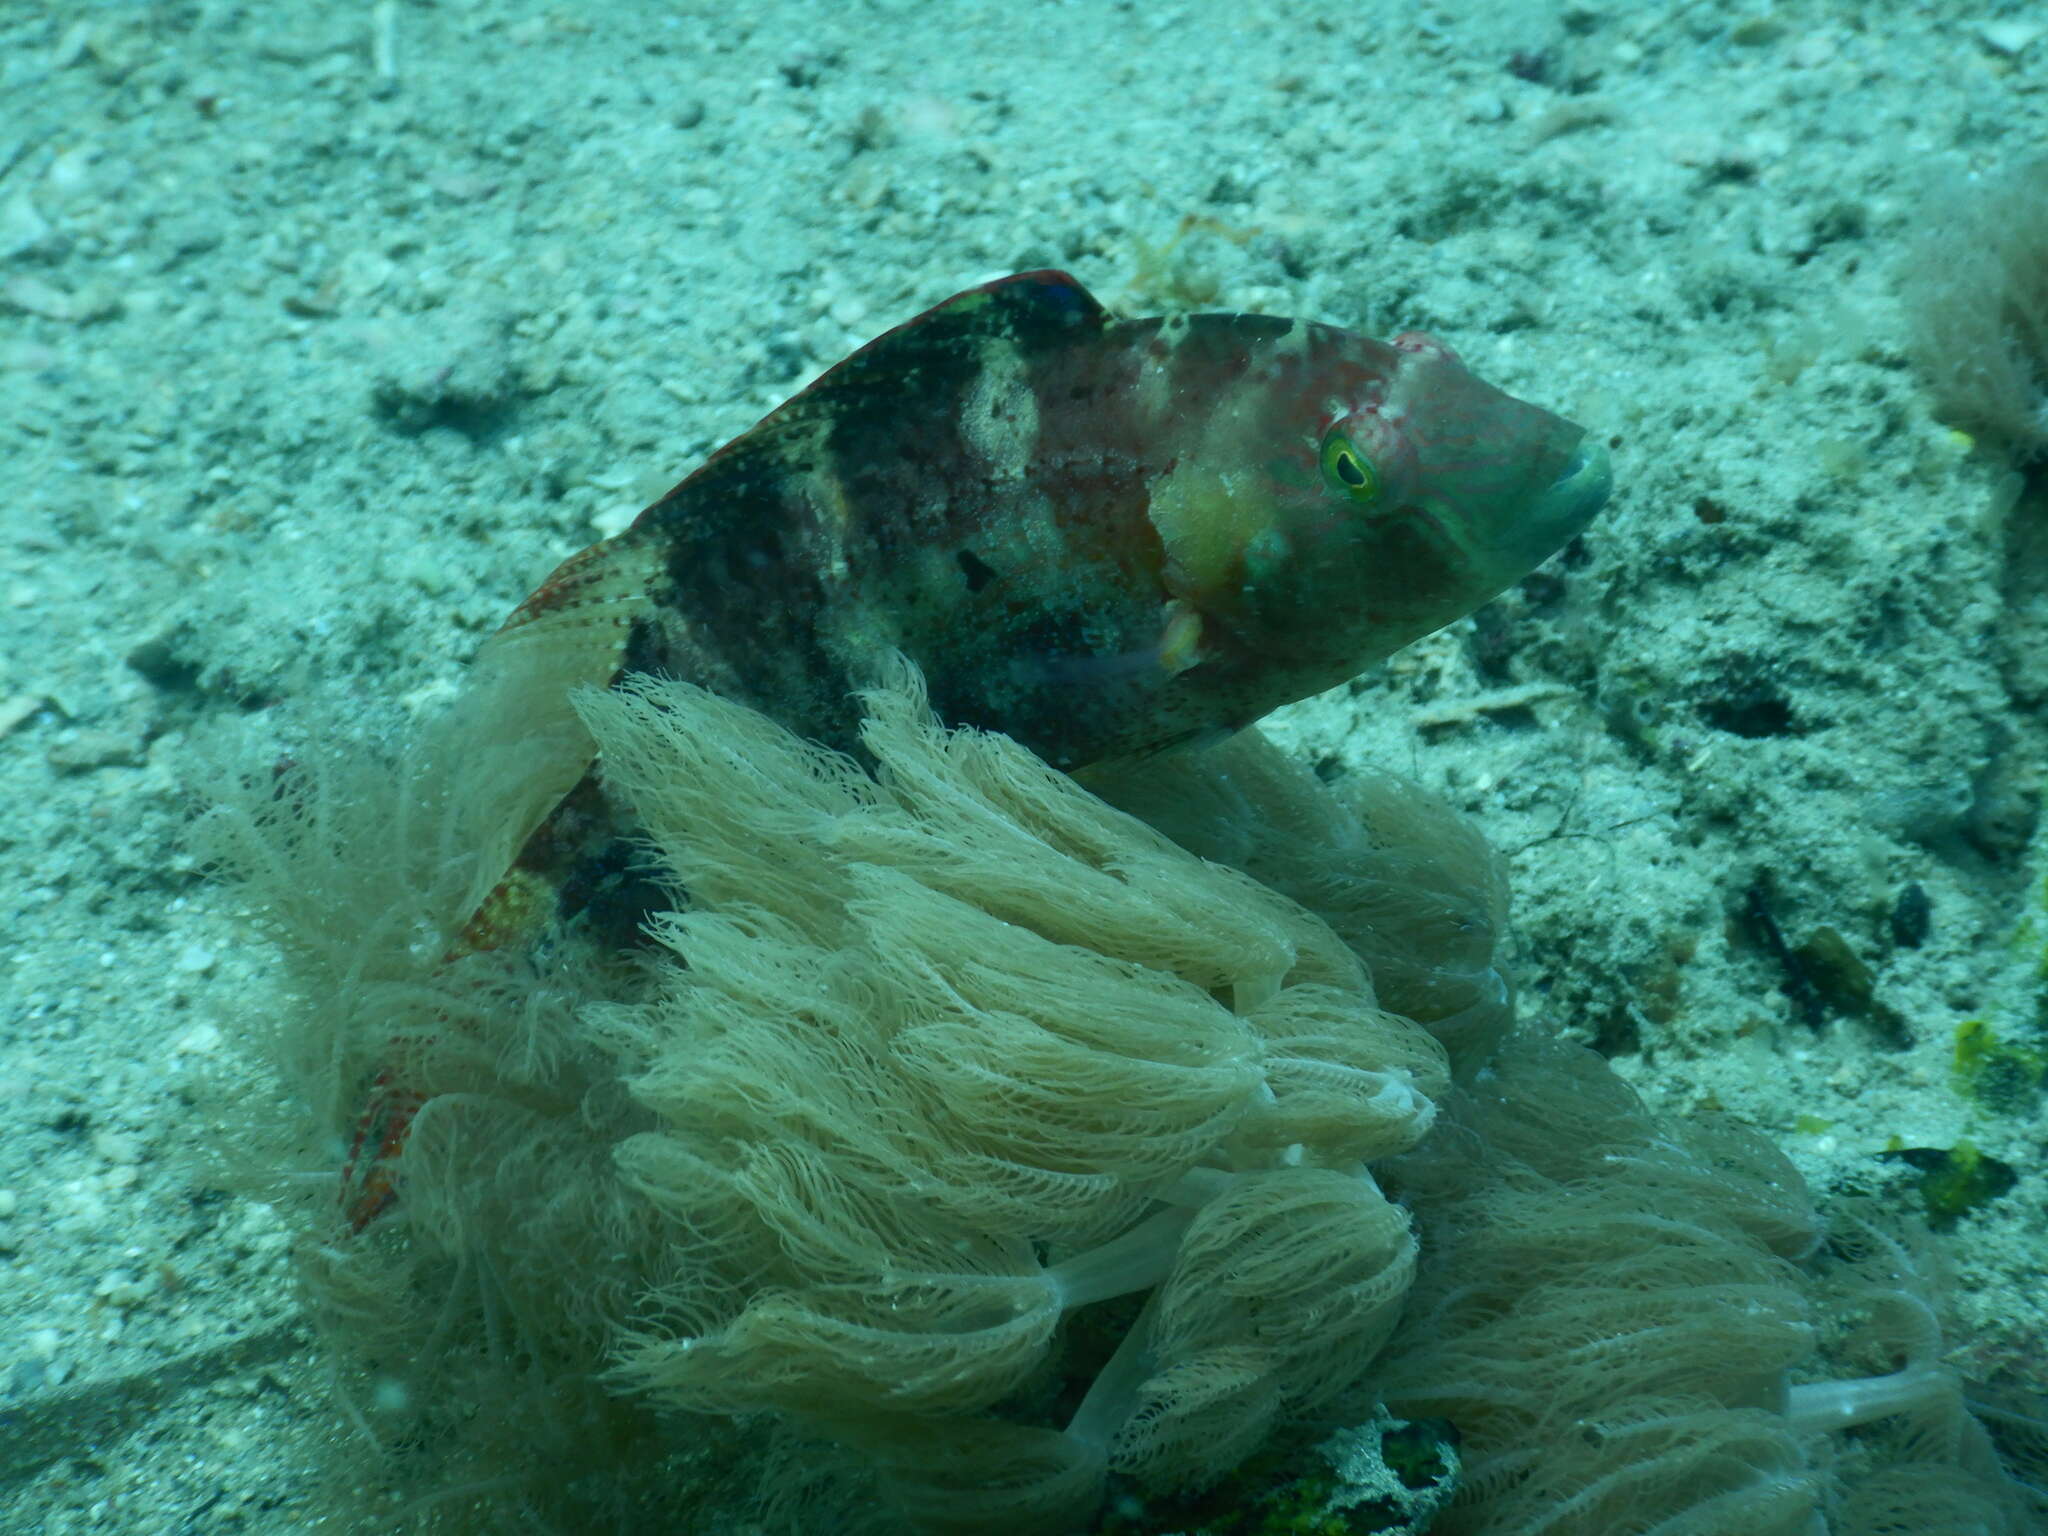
column 1485, row 107
column 18, row 710
column 71, row 168
column 84, row 750
column 10, row 1202
column 199, row 1040
column 22, row 226
column 118, row 1147
column 72, row 46
column 1813, row 50
column 2009, row 38
column 195, row 960
column 36, row 297
column 121, row 1289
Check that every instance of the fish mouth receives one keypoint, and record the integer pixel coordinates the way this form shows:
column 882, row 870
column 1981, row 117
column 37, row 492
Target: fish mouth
column 1563, row 508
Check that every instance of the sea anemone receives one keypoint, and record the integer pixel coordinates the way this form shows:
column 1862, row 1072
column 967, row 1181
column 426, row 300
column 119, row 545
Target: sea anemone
column 930, row 1056
column 959, row 1143
column 1975, row 286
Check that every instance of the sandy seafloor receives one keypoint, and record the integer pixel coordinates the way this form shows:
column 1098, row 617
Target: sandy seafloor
column 326, row 330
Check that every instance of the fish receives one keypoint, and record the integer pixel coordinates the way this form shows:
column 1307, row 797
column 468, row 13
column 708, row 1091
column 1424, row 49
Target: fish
column 1104, row 537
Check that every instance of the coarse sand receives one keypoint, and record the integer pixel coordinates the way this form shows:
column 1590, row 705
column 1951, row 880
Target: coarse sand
column 325, row 331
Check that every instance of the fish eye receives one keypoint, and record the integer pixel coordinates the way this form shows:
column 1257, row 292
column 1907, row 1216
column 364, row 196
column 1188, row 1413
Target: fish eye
column 1347, row 471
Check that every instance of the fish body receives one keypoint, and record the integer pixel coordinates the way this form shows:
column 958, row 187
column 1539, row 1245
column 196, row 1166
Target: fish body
column 1100, row 536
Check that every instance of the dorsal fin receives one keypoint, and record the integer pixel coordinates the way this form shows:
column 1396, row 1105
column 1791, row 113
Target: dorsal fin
column 1029, row 311
column 1032, row 309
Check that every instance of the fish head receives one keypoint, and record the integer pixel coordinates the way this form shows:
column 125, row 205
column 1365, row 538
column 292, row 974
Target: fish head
column 1342, row 496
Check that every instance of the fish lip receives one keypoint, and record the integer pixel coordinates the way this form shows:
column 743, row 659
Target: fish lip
column 1568, row 503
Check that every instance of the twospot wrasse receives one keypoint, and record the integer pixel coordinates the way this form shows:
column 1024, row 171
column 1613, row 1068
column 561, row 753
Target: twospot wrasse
column 1102, row 537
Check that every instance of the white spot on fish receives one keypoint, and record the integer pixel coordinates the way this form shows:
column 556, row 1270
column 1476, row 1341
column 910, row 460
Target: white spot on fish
column 999, row 416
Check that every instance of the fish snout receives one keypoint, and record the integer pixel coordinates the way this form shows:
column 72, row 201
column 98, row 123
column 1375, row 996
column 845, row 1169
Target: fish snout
column 1563, row 508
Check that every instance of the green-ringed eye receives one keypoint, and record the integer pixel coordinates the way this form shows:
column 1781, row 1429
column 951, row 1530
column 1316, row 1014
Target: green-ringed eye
column 1347, row 471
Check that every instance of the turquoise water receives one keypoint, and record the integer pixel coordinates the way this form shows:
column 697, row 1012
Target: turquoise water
column 325, row 334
